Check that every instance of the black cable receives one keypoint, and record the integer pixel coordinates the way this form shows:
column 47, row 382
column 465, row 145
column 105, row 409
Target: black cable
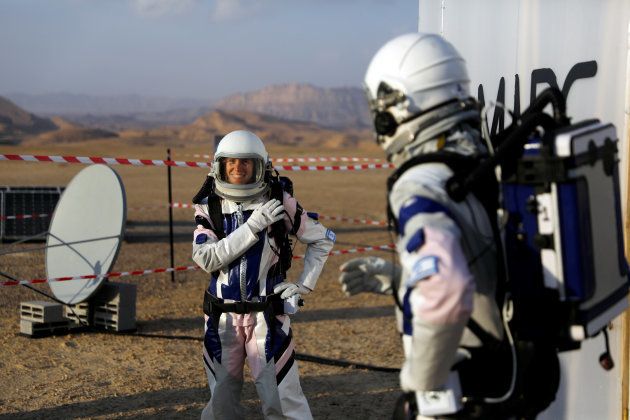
column 36, row 290
column 298, row 356
column 41, row 248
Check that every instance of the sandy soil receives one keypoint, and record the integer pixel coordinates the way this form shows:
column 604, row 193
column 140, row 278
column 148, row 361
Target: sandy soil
column 158, row 371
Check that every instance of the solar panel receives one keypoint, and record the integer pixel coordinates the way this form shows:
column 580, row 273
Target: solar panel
column 27, row 201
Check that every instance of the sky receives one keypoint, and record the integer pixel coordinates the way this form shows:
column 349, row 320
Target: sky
column 202, row 49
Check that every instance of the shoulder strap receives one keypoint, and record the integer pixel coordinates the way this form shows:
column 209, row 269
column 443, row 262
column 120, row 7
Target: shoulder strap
column 216, row 215
column 456, row 162
column 214, row 207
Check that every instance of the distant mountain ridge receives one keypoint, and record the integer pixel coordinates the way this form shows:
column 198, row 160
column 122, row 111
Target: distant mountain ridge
column 77, row 104
column 19, row 126
column 330, row 107
column 343, row 107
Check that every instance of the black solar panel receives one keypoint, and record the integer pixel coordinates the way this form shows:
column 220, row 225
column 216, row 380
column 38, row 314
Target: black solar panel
column 18, row 202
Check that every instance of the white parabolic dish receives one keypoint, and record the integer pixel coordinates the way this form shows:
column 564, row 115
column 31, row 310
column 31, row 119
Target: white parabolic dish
column 85, row 232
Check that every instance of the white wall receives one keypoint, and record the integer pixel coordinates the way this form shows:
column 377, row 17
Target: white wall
column 504, row 38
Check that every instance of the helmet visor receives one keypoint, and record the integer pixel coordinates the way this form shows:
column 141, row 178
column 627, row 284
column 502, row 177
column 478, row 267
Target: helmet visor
column 241, row 170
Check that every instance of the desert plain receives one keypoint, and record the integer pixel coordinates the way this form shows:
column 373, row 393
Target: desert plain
column 158, row 372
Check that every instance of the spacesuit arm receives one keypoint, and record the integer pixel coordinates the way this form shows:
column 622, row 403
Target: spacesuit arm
column 318, row 239
column 212, row 254
column 437, row 291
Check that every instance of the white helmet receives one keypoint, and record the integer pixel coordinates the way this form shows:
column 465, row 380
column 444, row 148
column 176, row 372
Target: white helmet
column 241, row 144
column 412, row 82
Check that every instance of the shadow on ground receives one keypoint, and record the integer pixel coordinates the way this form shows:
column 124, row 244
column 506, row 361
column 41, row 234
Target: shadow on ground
column 330, row 397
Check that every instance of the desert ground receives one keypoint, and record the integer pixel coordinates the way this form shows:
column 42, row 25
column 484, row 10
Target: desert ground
column 158, row 372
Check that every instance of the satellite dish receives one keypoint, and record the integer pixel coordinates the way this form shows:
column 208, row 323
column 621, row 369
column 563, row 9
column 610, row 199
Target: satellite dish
column 85, row 232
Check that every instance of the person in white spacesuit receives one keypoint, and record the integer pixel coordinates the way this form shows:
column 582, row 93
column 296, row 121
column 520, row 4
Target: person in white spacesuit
column 446, row 284
column 243, row 215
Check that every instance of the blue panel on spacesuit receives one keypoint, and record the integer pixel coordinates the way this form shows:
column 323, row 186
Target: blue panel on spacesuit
column 212, row 341
column 416, row 241
column 201, row 239
column 577, row 239
column 416, row 206
column 524, row 264
column 407, row 315
column 312, row 215
column 276, row 341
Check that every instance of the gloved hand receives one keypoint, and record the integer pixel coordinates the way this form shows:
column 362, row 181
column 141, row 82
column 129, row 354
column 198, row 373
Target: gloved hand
column 368, row 274
column 289, row 289
column 265, row 215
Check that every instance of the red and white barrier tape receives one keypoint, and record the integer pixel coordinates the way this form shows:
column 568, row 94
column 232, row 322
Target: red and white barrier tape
column 149, row 162
column 355, row 221
column 24, row 216
column 177, row 269
column 334, row 167
column 105, row 160
column 188, row 206
column 307, row 159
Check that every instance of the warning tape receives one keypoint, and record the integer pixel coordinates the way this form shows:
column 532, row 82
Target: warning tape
column 356, row 221
column 105, row 160
column 334, row 167
column 189, row 206
column 24, row 216
column 150, row 162
column 326, row 159
column 306, row 159
column 175, row 269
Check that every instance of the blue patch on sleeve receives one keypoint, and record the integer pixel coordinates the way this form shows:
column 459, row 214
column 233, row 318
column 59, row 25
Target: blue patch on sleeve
column 331, row 235
column 201, row 239
column 416, row 206
column 416, row 241
column 423, row 268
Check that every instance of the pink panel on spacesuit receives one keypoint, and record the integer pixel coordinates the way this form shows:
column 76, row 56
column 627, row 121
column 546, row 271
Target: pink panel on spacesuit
column 445, row 297
column 233, row 351
column 290, row 205
column 285, row 357
column 254, row 358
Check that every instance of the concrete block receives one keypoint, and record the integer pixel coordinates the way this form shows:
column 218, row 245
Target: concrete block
column 43, row 329
column 40, row 311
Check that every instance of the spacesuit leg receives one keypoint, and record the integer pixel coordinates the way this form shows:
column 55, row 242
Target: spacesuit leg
column 271, row 357
column 224, row 357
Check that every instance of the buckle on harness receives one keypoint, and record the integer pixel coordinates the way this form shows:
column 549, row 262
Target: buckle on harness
column 241, row 308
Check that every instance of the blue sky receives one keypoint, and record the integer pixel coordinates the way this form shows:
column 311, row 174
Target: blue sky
column 191, row 48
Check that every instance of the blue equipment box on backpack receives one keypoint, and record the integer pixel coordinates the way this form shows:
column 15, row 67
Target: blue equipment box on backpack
column 563, row 235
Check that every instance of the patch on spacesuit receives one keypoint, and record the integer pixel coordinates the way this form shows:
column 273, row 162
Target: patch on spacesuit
column 331, row 235
column 201, row 239
column 423, row 268
column 416, row 241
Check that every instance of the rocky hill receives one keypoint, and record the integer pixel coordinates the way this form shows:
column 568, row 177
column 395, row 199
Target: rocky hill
column 270, row 129
column 17, row 125
column 332, row 107
column 68, row 132
column 16, row 122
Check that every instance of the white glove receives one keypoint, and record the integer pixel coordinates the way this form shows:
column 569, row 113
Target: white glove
column 368, row 274
column 265, row 215
column 289, row 289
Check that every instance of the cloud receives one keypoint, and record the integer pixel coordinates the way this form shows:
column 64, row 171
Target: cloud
column 225, row 10
column 157, row 8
